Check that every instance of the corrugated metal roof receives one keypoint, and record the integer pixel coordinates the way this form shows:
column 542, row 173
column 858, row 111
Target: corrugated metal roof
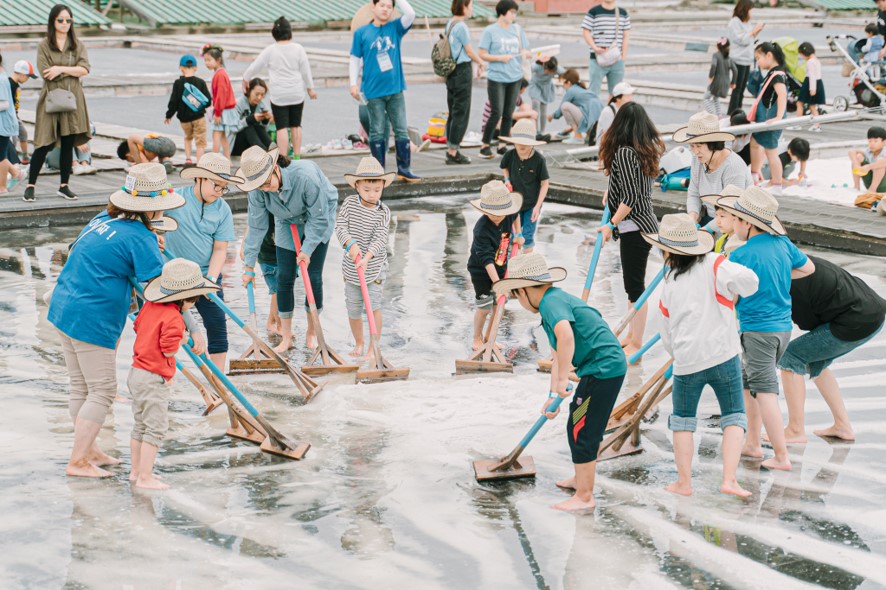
column 36, row 12
column 846, row 4
column 234, row 12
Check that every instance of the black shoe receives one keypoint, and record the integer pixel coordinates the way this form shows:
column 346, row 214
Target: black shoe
column 458, row 158
column 502, row 150
column 64, row 191
column 543, row 137
column 29, row 196
column 486, row 153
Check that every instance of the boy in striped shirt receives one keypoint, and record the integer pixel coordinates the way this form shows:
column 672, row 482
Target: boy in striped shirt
column 362, row 230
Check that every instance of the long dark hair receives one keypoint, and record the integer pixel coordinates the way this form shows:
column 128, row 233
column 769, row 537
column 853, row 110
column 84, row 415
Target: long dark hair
column 679, row 264
column 632, row 128
column 115, row 212
column 742, row 10
column 50, row 28
column 773, row 48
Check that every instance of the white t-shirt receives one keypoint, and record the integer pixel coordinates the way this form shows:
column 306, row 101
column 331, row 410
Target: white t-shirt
column 289, row 73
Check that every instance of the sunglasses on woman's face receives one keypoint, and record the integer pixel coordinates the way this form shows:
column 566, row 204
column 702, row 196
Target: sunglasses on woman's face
column 61, row 20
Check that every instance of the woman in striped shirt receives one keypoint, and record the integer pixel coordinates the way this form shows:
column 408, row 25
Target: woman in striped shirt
column 629, row 153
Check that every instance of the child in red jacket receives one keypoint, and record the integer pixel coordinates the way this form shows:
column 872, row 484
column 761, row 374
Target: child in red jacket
column 224, row 114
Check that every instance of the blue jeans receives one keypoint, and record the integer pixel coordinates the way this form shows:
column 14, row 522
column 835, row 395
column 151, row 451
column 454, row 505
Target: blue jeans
column 527, row 227
column 725, row 379
column 812, row 352
column 363, row 113
column 387, row 108
column 53, row 158
column 269, row 273
column 614, row 74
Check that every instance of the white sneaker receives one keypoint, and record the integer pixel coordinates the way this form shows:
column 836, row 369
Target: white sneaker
column 90, row 169
column 77, row 170
column 881, row 208
column 815, row 128
column 774, row 190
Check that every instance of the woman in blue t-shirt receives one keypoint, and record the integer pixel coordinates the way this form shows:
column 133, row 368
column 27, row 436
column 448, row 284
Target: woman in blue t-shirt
column 458, row 83
column 92, row 297
column 503, row 46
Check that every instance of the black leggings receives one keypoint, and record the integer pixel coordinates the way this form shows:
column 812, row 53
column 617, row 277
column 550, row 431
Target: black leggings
column 458, row 99
column 741, row 82
column 634, row 256
column 66, row 159
column 250, row 136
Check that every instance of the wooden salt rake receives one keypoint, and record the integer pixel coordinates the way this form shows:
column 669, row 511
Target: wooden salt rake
column 260, row 362
column 331, row 361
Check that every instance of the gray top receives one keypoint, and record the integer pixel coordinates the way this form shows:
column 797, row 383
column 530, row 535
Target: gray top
column 741, row 43
column 541, row 84
column 732, row 171
column 723, row 72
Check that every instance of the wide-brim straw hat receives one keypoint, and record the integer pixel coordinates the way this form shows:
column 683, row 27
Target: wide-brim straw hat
column 730, row 190
column 256, row 166
column 212, row 167
column 180, row 279
column 370, row 169
column 678, row 234
column 146, row 189
column 364, row 16
column 702, row 128
column 529, row 270
column 496, row 199
column 757, row 207
column 523, row 133
column 164, row 224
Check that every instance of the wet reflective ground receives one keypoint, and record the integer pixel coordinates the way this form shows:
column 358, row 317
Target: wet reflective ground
column 386, row 496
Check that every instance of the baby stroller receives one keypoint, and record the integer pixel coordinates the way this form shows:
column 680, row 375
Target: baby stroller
column 862, row 90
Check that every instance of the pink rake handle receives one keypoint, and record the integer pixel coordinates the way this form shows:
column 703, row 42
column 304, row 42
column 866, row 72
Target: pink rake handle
column 514, row 251
column 366, row 301
column 309, row 291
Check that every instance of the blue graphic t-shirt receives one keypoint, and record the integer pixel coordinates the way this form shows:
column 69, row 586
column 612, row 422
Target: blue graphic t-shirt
column 379, row 48
column 499, row 41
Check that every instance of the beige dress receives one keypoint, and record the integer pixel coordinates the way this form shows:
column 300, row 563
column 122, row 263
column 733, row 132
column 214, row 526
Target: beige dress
column 50, row 127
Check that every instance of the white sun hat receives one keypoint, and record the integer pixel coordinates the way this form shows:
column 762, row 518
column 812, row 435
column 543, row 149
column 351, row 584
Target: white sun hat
column 622, row 88
column 678, row 234
column 496, row 199
column 757, row 207
column 146, row 189
column 180, row 279
column 256, row 166
column 370, row 169
column 702, row 128
column 164, row 224
column 523, row 133
column 211, row 166
column 529, row 270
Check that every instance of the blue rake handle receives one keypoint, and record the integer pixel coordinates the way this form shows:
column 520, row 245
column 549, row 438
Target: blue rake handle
column 250, row 297
column 555, row 403
column 641, row 301
column 643, row 349
column 217, row 300
column 592, row 269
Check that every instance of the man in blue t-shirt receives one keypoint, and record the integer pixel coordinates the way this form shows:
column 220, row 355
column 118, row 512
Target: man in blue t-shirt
column 765, row 316
column 376, row 50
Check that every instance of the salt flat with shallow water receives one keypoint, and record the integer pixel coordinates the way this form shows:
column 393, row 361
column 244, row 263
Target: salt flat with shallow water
column 386, row 496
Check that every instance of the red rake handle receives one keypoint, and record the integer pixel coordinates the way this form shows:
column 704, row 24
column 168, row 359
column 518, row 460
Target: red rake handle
column 515, row 249
column 366, row 301
column 309, row 291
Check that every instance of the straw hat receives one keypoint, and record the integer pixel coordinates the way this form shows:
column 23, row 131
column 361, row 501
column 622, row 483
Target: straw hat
column 702, row 128
column 213, row 167
column 529, row 270
column 164, row 224
column 370, row 169
column 730, row 190
column 496, row 199
column 256, row 166
column 677, row 234
column 181, row 279
column 523, row 133
column 146, row 189
column 755, row 206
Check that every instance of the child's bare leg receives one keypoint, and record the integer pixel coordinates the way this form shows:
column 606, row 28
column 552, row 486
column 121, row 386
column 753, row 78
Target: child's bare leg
column 752, row 447
column 216, row 141
column 135, row 452
column 146, row 477
column 756, row 158
column 772, row 420
column 876, row 179
column 856, row 159
column 800, row 108
column 273, row 324
column 296, row 140
column 794, row 386
column 584, row 489
column 479, row 321
column 283, row 140
column 187, row 149
column 732, row 437
column 830, row 391
column 225, row 146
column 775, row 167
column 200, row 151
column 85, row 433
column 683, row 451
column 357, row 331
column 286, row 336
column 637, row 330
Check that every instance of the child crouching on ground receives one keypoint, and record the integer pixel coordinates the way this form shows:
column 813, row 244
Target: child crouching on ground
column 362, row 230
column 160, row 330
column 526, row 172
column 494, row 234
column 579, row 338
column 701, row 334
column 765, row 316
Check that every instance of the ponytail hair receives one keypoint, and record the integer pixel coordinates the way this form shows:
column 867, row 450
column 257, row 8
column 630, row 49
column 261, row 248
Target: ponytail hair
column 723, row 46
column 213, row 51
column 571, row 75
column 773, row 48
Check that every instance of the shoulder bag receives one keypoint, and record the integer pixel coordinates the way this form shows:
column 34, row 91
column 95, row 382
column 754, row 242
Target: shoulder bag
column 61, row 100
column 612, row 55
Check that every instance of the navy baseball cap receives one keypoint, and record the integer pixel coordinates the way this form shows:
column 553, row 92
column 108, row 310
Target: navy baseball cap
column 187, row 61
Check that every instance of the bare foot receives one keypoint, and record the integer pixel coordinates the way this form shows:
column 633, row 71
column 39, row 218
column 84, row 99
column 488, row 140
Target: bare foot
column 133, row 475
column 567, row 484
column 122, row 400
column 630, row 349
column 752, row 452
column 273, row 329
column 151, row 483
column 357, row 351
column 100, row 458
column 478, row 344
column 574, row 504
column 772, row 463
column 85, row 469
column 284, row 346
column 679, row 489
column 834, row 432
column 734, row 489
column 790, row 436
column 624, row 341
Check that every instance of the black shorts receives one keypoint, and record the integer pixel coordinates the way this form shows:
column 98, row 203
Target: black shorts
column 589, row 414
column 484, row 296
column 287, row 116
column 634, row 256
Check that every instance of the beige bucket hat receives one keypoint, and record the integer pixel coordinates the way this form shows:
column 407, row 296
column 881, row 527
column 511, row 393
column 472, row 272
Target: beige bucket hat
column 146, row 189
column 496, row 199
column 164, row 224
column 678, row 234
column 529, row 270
column 702, row 128
column 213, row 167
column 180, row 279
column 370, row 169
column 256, row 166
column 523, row 133
column 730, row 190
column 755, row 206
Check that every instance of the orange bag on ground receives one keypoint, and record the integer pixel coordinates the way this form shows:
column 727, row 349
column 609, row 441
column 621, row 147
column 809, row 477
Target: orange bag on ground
column 865, row 200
